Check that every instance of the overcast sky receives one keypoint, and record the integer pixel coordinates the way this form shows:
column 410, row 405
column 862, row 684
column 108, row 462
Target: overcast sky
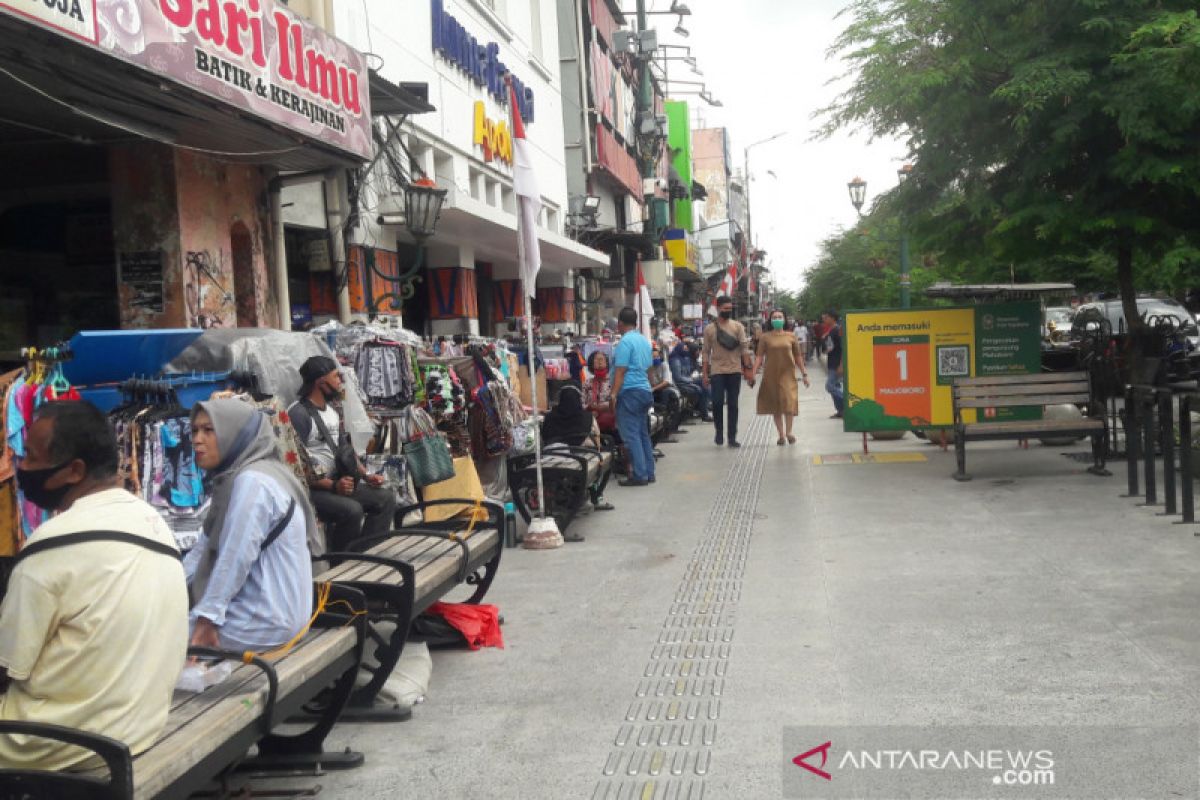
column 765, row 60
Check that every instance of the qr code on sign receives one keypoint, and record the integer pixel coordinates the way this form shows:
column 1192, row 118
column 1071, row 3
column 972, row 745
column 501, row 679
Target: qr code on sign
column 954, row 362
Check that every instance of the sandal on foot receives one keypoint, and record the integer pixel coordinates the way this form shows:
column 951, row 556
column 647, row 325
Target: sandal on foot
column 791, row 439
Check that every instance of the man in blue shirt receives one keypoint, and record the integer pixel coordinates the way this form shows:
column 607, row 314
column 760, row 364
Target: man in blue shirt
column 632, row 398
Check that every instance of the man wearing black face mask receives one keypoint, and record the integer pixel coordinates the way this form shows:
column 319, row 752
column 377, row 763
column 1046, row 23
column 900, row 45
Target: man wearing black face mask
column 94, row 627
column 350, row 501
column 725, row 360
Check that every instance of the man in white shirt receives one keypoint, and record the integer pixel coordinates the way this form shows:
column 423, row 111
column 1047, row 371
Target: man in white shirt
column 801, row 332
column 93, row 634
column 352, row 503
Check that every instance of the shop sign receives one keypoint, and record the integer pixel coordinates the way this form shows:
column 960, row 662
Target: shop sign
column 252, row 54
column 481, row 62
column 74, row 17
column 614, row 158
column 682, row 249
column 901, row 364
column 494, row 137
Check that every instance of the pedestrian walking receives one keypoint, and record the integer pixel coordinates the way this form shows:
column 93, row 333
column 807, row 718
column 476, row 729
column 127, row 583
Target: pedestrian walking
column 725, row 360
column 780, row 352
column 833, row 363
column 632, row 399
column 802, row 337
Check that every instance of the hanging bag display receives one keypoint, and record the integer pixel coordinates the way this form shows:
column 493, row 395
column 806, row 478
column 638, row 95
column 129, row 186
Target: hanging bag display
column 425, row 448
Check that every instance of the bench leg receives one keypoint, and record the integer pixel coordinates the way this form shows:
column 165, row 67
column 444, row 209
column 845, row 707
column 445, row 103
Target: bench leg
column 960, row 456
column 1098, row 461
column 396, row 604
column 482, row 578
column 307, row 750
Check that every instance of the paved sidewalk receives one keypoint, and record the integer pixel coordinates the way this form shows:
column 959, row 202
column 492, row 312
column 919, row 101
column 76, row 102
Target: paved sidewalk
column 833, row 594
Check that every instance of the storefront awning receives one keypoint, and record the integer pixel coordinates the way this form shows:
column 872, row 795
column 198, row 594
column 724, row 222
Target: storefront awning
column 493, row 235
column 71, row 87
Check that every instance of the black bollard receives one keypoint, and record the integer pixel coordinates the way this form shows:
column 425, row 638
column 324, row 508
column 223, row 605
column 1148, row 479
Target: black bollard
column 1131, row 440
column 1147, row 407
column 1166, row 426
column 1187, row 488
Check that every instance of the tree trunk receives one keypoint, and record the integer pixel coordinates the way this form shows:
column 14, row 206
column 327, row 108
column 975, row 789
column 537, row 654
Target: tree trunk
column 1133, row 319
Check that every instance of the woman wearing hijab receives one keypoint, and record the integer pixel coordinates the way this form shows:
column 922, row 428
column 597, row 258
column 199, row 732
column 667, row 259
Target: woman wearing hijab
column 250, row 573
column 569, row 422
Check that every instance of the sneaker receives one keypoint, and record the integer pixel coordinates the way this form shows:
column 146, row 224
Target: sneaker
column 719, row 440
column 633, row 482
column 603, row 505
column 573, row 536
column 734, row 443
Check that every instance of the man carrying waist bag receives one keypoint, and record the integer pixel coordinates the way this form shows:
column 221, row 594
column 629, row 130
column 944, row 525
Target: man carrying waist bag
column 352, row 503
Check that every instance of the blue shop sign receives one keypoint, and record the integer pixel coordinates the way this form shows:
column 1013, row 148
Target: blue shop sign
column 481, row 62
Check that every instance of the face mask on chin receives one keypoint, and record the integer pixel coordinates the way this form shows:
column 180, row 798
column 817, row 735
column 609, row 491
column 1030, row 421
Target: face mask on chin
column 601, row 372
column 32, row 483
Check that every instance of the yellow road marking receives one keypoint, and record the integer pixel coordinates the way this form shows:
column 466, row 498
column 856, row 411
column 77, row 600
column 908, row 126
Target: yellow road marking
column 838, row 459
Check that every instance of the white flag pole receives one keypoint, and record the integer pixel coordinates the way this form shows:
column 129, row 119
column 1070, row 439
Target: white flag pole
column 543, row 533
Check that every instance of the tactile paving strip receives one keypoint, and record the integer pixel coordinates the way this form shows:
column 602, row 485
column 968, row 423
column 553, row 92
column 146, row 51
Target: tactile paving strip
column 663, row 747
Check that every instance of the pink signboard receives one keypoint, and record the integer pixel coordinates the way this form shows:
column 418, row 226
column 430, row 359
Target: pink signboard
column 255, row 55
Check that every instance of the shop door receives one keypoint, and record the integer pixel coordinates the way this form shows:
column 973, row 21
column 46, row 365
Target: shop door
column 242, row 248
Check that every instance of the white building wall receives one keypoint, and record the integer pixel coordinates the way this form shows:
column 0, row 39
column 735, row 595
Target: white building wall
column 401, row 33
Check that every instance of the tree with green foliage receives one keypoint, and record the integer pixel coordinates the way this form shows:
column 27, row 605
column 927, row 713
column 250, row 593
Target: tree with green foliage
column 1041, row 130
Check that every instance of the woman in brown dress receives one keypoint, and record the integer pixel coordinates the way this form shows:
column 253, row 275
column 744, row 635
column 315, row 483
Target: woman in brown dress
column 778, row 395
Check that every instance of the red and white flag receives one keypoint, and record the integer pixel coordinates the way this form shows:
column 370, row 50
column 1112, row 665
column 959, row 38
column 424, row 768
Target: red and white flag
column 529, row 200
column 727, row 287
column 645, row 307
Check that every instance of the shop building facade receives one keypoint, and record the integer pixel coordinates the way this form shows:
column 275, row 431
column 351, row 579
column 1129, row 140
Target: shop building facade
column 141, row 146
column 468, row 277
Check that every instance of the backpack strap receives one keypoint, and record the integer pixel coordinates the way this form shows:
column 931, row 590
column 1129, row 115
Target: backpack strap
column 83, row 537
column 279, row 526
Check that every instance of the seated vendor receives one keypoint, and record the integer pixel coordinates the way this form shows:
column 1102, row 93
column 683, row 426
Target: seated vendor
column 597, row 392
column 569, row 423
column 352, row 503
column 250, row 573
column 92, row 634
column 666, row 395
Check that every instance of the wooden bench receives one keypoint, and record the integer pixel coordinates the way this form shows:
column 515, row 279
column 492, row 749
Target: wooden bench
column 209, row 732
column 404, row 572
column 1027, row 391
column 570, row 476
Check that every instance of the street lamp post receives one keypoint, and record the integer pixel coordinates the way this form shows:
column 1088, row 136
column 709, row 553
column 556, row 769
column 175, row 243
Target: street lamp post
column 858, row 196
column 903, row 175
column 748, row 245
column 422, row 209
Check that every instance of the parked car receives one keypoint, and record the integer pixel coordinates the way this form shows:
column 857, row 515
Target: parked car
column 1056, row 322
column 1091, row 317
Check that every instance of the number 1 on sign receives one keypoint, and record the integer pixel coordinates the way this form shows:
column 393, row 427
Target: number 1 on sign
column 902, row 357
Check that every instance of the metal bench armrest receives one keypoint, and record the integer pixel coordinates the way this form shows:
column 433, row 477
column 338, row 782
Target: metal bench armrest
column 44, row 783
column 256, row 661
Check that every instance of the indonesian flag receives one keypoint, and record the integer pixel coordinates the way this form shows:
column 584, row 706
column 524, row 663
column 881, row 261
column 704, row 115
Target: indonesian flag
column 645, row 307
column 728, row 285
column 529, row 200
column 751, row 285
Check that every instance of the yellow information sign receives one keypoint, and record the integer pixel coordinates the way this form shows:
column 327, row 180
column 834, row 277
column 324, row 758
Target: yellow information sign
column 901, row 364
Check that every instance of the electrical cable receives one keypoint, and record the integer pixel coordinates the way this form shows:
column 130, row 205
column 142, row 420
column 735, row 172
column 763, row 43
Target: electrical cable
column 144, row 134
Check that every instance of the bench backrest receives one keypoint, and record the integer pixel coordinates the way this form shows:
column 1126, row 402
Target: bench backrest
column 1043, row 389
